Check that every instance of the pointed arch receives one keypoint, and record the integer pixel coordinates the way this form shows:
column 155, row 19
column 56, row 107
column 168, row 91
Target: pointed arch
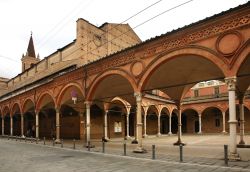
column 124, row 102
column 15, row 105
column 6, row 109
column 214, row 106
column 25, row 103
column 41, row 99
column 190, row 108
column 65, row 88
column 166, row 108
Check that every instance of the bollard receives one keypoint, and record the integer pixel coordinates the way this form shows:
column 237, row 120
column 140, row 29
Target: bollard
column 153, row 151
column 124, row 149
column 88, row 145
column 181, row 153
column 43, row 140
column 61, row 143
column 53, row 142
column 226, row 154
column 103, row 147
column 74, row 144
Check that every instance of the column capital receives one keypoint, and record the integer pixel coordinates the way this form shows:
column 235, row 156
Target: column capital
column 178, row 105
column 57, row 110
column 138, row 96
column 87, row 103
column 231, row 83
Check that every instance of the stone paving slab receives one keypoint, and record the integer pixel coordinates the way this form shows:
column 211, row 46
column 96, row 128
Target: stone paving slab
column 40, row 157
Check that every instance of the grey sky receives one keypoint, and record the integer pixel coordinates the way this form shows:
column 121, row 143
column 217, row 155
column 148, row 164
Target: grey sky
column 53, row 22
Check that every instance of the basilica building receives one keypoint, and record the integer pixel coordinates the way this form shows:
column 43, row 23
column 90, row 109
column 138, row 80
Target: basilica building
column 108, row 84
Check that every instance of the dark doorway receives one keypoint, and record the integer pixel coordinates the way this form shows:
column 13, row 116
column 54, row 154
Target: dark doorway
column 7, row 125
column 174, row 123
column 184, row 123
column 17, row 125
column 132, row 122
column 164, row 124
column 196, row 126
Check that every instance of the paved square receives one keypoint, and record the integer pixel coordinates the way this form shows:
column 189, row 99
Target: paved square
column 30, row 157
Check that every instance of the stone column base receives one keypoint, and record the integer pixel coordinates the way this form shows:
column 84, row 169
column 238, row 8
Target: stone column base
column 170, row 133
column 158, row 135
column 145, row 135
column 128, row 138
column 134, row 142
column 57, row 141
column 224, row 132
column 105, row 139
column 139, row 149
column 241, row 142
column 199, row 133
column 234, row 156
column 89, row 146
column 179, row 142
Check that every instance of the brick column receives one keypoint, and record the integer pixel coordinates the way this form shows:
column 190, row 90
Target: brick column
column 58, row 126
column 37, row 124
column 127, row 117
column 87, row 104
column 170, row 123
column 106, row 125
column 138, row 137
column 231, row 84
column 145, row 125
column 200, row 124
column 179, row 126
column 2, row 125
column 11, row 125
column 22, row 131
column 242, row 120
column 159, row 126
column 224, row 122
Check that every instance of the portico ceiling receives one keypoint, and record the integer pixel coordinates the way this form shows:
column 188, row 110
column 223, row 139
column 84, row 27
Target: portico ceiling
column 176, row 76
column 243, row 77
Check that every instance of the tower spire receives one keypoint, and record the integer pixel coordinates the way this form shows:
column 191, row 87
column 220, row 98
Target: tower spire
column 31, row 49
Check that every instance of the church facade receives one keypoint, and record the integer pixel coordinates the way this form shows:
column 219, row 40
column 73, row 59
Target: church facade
column 108, row 84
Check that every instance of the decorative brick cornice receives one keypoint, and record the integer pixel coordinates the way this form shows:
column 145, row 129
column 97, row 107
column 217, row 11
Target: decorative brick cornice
column 169, row 41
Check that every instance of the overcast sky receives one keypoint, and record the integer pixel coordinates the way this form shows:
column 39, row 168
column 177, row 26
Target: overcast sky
column 53, row 22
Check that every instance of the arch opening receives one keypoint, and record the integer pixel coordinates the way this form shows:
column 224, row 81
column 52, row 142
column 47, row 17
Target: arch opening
column 192, row 121
column 47, row 116
column 71, row 103
column 212, row 121
column 152, row 120
column 176, row 75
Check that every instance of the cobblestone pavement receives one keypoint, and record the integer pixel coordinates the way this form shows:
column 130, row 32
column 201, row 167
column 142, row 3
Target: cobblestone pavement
column 21, row 156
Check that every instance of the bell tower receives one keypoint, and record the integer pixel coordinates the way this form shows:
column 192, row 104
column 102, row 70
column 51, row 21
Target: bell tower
column 29, row 59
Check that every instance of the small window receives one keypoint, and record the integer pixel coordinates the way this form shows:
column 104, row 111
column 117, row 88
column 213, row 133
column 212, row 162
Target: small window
column 216, row 90
column 196, row 93
column 217, row 122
